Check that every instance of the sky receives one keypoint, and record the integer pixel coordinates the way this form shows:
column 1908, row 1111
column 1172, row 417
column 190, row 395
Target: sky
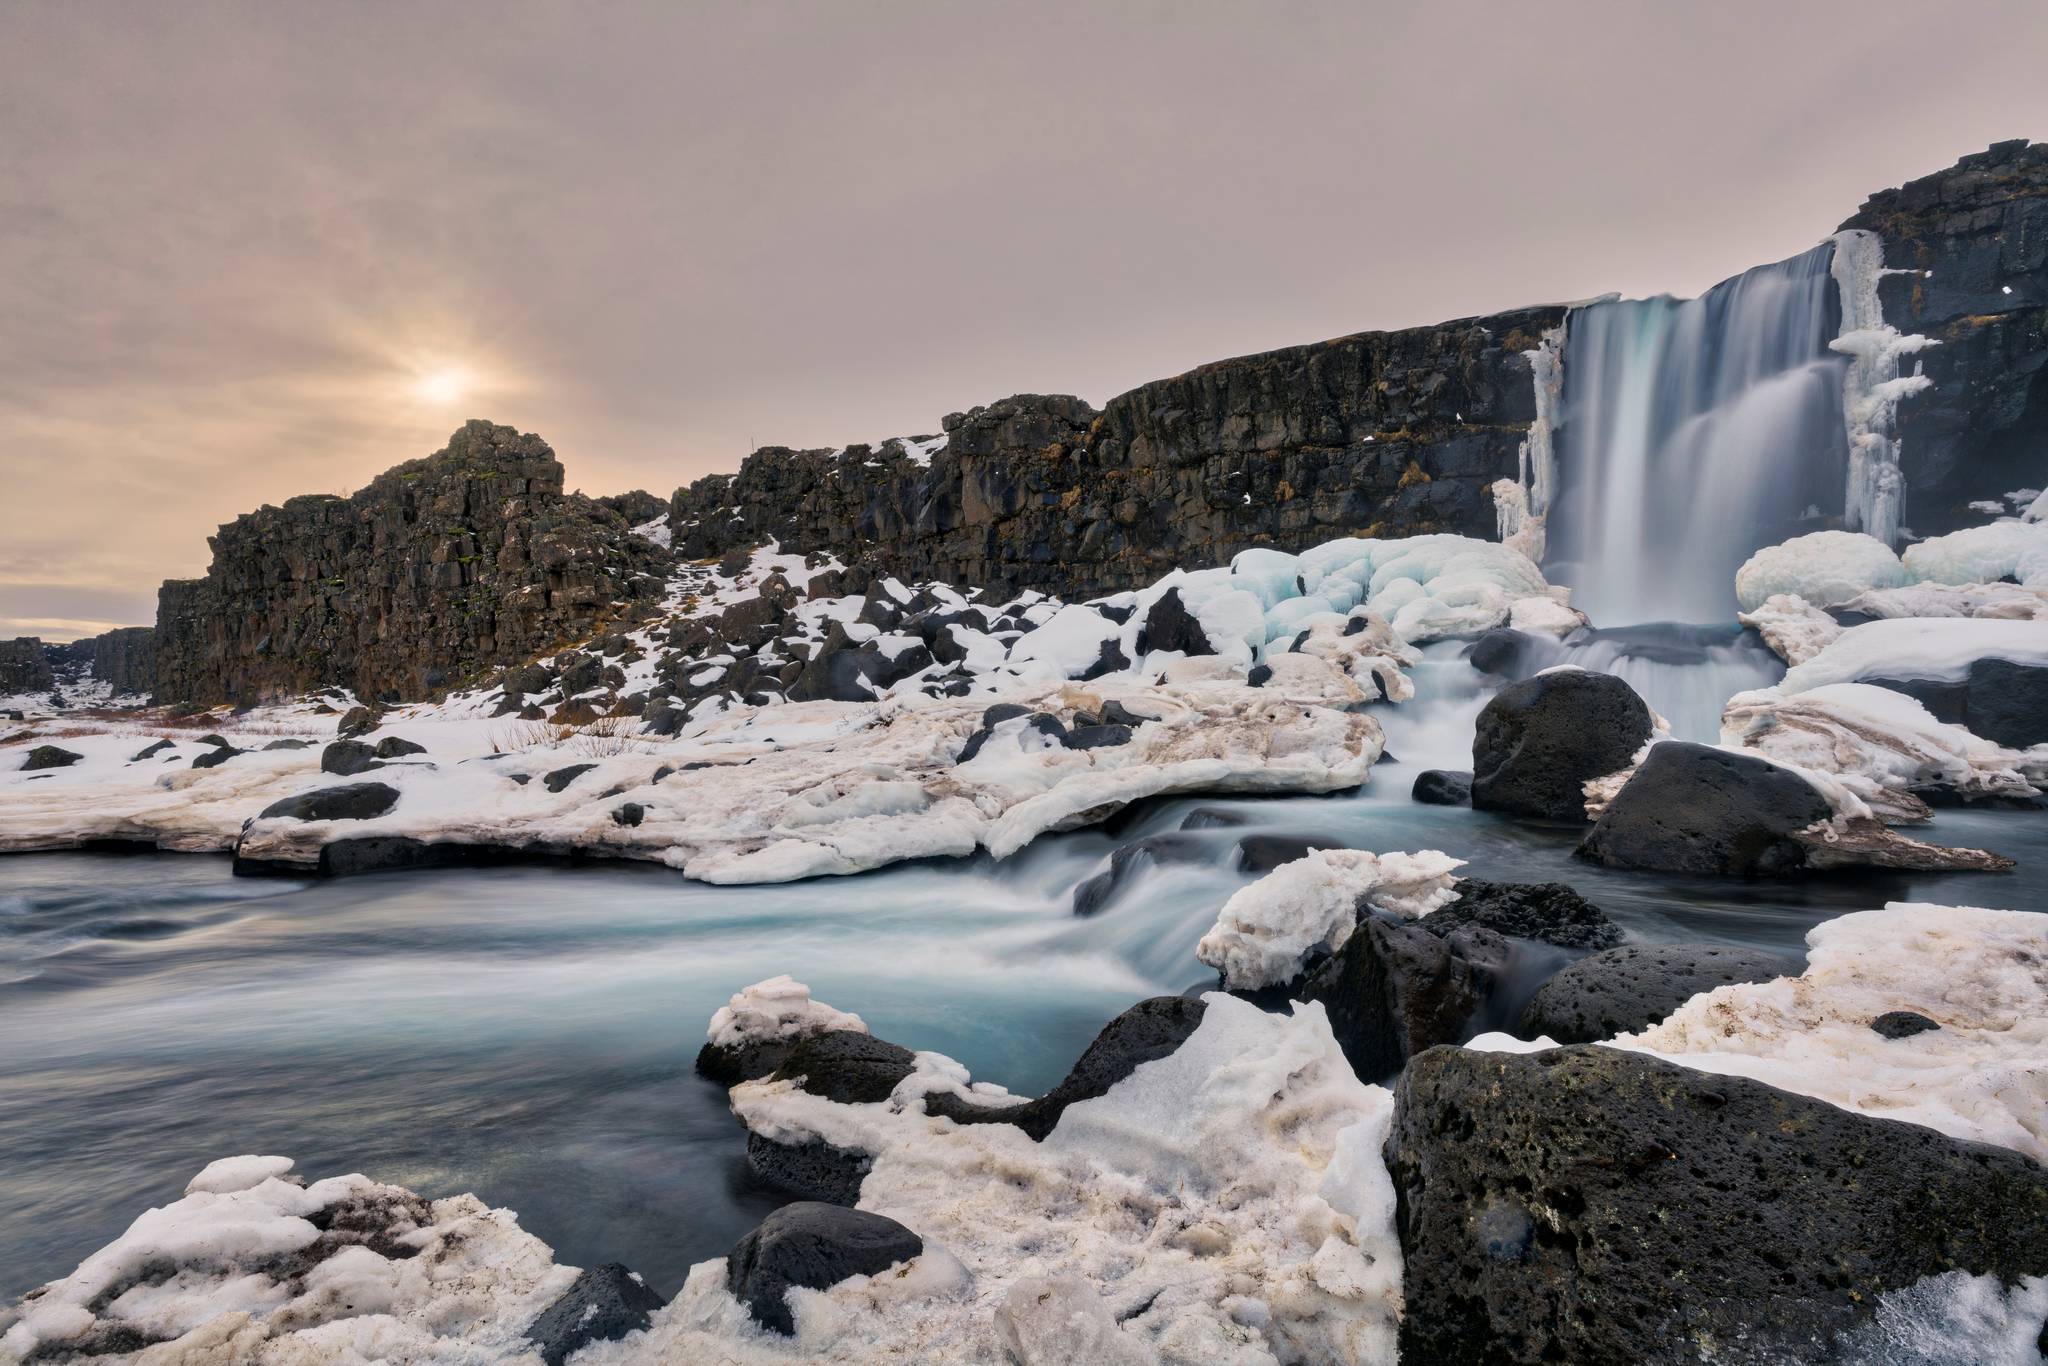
column 255, row 250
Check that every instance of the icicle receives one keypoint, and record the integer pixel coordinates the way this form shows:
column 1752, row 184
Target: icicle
column 1872, row 387
column 1538, row 456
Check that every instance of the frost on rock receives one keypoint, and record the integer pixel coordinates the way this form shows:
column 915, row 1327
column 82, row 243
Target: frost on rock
column 278, row 1273
column 1881, row 744
column 1825, row 568
column 779, row 1008
column 1266, row 933
column 1984, row 554
column 1981, row 975
column 1936, row 648
column 1226, row 1203
column 1793, row 628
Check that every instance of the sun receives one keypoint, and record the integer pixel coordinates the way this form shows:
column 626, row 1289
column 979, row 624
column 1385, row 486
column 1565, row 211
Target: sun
column 442, row 386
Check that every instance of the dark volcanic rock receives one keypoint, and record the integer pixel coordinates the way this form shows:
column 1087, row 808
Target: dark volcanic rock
column 847, row 1066
column 356, row 721
column 1547, row 911
column 393, row 747
column 1149, row 1030
column 1902, row 1024
column 1396, row 989
column 439, row 569
column 1170, row 626
column 346, row 758
column 1096, row 893
column 1264, row 853
column 48, row 756
column 216, row 756
column 1442, row 787
column 1593, row 1205
column 1097, row 737
column 349, row 802
column 562, row 777
column 151, row 751
column 25, row 667
column 1633, row 987
column 813, row 1245
column 601, row 1305
column 1538, row 742
column 810, row 1170
column 1499, row 651
column 1696, row 809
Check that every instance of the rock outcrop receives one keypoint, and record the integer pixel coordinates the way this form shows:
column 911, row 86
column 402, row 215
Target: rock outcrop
column 439, row 569
column 125, row 660
column 1380, row 433
column 24, row 667
column 1970, row 245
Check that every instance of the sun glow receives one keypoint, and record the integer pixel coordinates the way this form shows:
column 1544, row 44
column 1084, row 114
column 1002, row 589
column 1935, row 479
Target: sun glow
column 442, row 386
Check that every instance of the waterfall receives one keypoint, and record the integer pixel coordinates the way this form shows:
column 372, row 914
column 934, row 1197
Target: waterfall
column 1690, row 433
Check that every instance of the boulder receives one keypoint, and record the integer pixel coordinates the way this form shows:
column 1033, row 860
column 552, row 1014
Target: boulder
column 1442, row 787
column 49, row 756
column 1149, row 1030
column 1097, row 737
column 216, row 756
column 349, row 802
column 1902, row 1024
column 356, row 721
column 809, row 1170
column 346, row 758
column 1395, row 989
column 813, row 1245
column 1538, row 742
column 1590, row 1204
column 1547, row 911
column 393, row 747
column 834, row 676
column 1264, row 853
column 1696, row 809
column 603, row 1304
column 151, row 751
column 846, row 1066
column 1095, row 893
column 1500, row 651
column 1630, row 988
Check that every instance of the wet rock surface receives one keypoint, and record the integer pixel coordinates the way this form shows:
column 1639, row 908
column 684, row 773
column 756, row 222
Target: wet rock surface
column 1442, row 787
column 1549, row 912
column 1626, row 989
column 1590, row 1204
column 1394, row 990
column 1538, row 741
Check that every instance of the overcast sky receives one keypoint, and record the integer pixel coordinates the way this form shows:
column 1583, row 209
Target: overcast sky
column 249, row 251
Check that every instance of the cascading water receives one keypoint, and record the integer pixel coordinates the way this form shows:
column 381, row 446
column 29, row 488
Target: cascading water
column 1690, row 433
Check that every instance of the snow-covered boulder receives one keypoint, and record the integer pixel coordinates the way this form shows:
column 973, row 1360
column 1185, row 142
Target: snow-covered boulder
column 752, row 1034
column 1823, row 567
column 1266, row 933
column 1983, row 554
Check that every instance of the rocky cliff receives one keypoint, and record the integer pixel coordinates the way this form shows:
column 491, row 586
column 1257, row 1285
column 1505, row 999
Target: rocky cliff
column 125, row 659
column 1970, row 248
column 1389, row 433
column 24, row 668
column 437, row 570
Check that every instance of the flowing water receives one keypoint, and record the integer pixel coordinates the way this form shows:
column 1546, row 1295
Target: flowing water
column 527, row 1033
column 1693, row 432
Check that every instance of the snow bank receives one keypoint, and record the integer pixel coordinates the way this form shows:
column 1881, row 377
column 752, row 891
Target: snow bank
column 1266, row 932
column 1825, row 568
column 345, row 1269
column 1937, row 648
column 1225, row 1203
column 1982, row 975
column 2009, row 600
column 779, row 1008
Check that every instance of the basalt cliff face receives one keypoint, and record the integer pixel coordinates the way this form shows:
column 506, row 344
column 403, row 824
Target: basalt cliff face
column 1381, row 433
column 437, row 570
column 1968, row 248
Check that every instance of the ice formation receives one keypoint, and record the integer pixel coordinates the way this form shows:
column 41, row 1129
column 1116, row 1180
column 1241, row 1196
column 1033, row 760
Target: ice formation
column 1225, row 1203
column 779, row 1008
column 1825, row 568
column 1981, row 975
column 1881, row 744
column 252, row 1266
column 1266, row 932
column 2007, row 600
column 1872, row 388
column 1983, row 554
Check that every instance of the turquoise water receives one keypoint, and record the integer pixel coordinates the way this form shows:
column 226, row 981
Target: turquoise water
column 528, row 1033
